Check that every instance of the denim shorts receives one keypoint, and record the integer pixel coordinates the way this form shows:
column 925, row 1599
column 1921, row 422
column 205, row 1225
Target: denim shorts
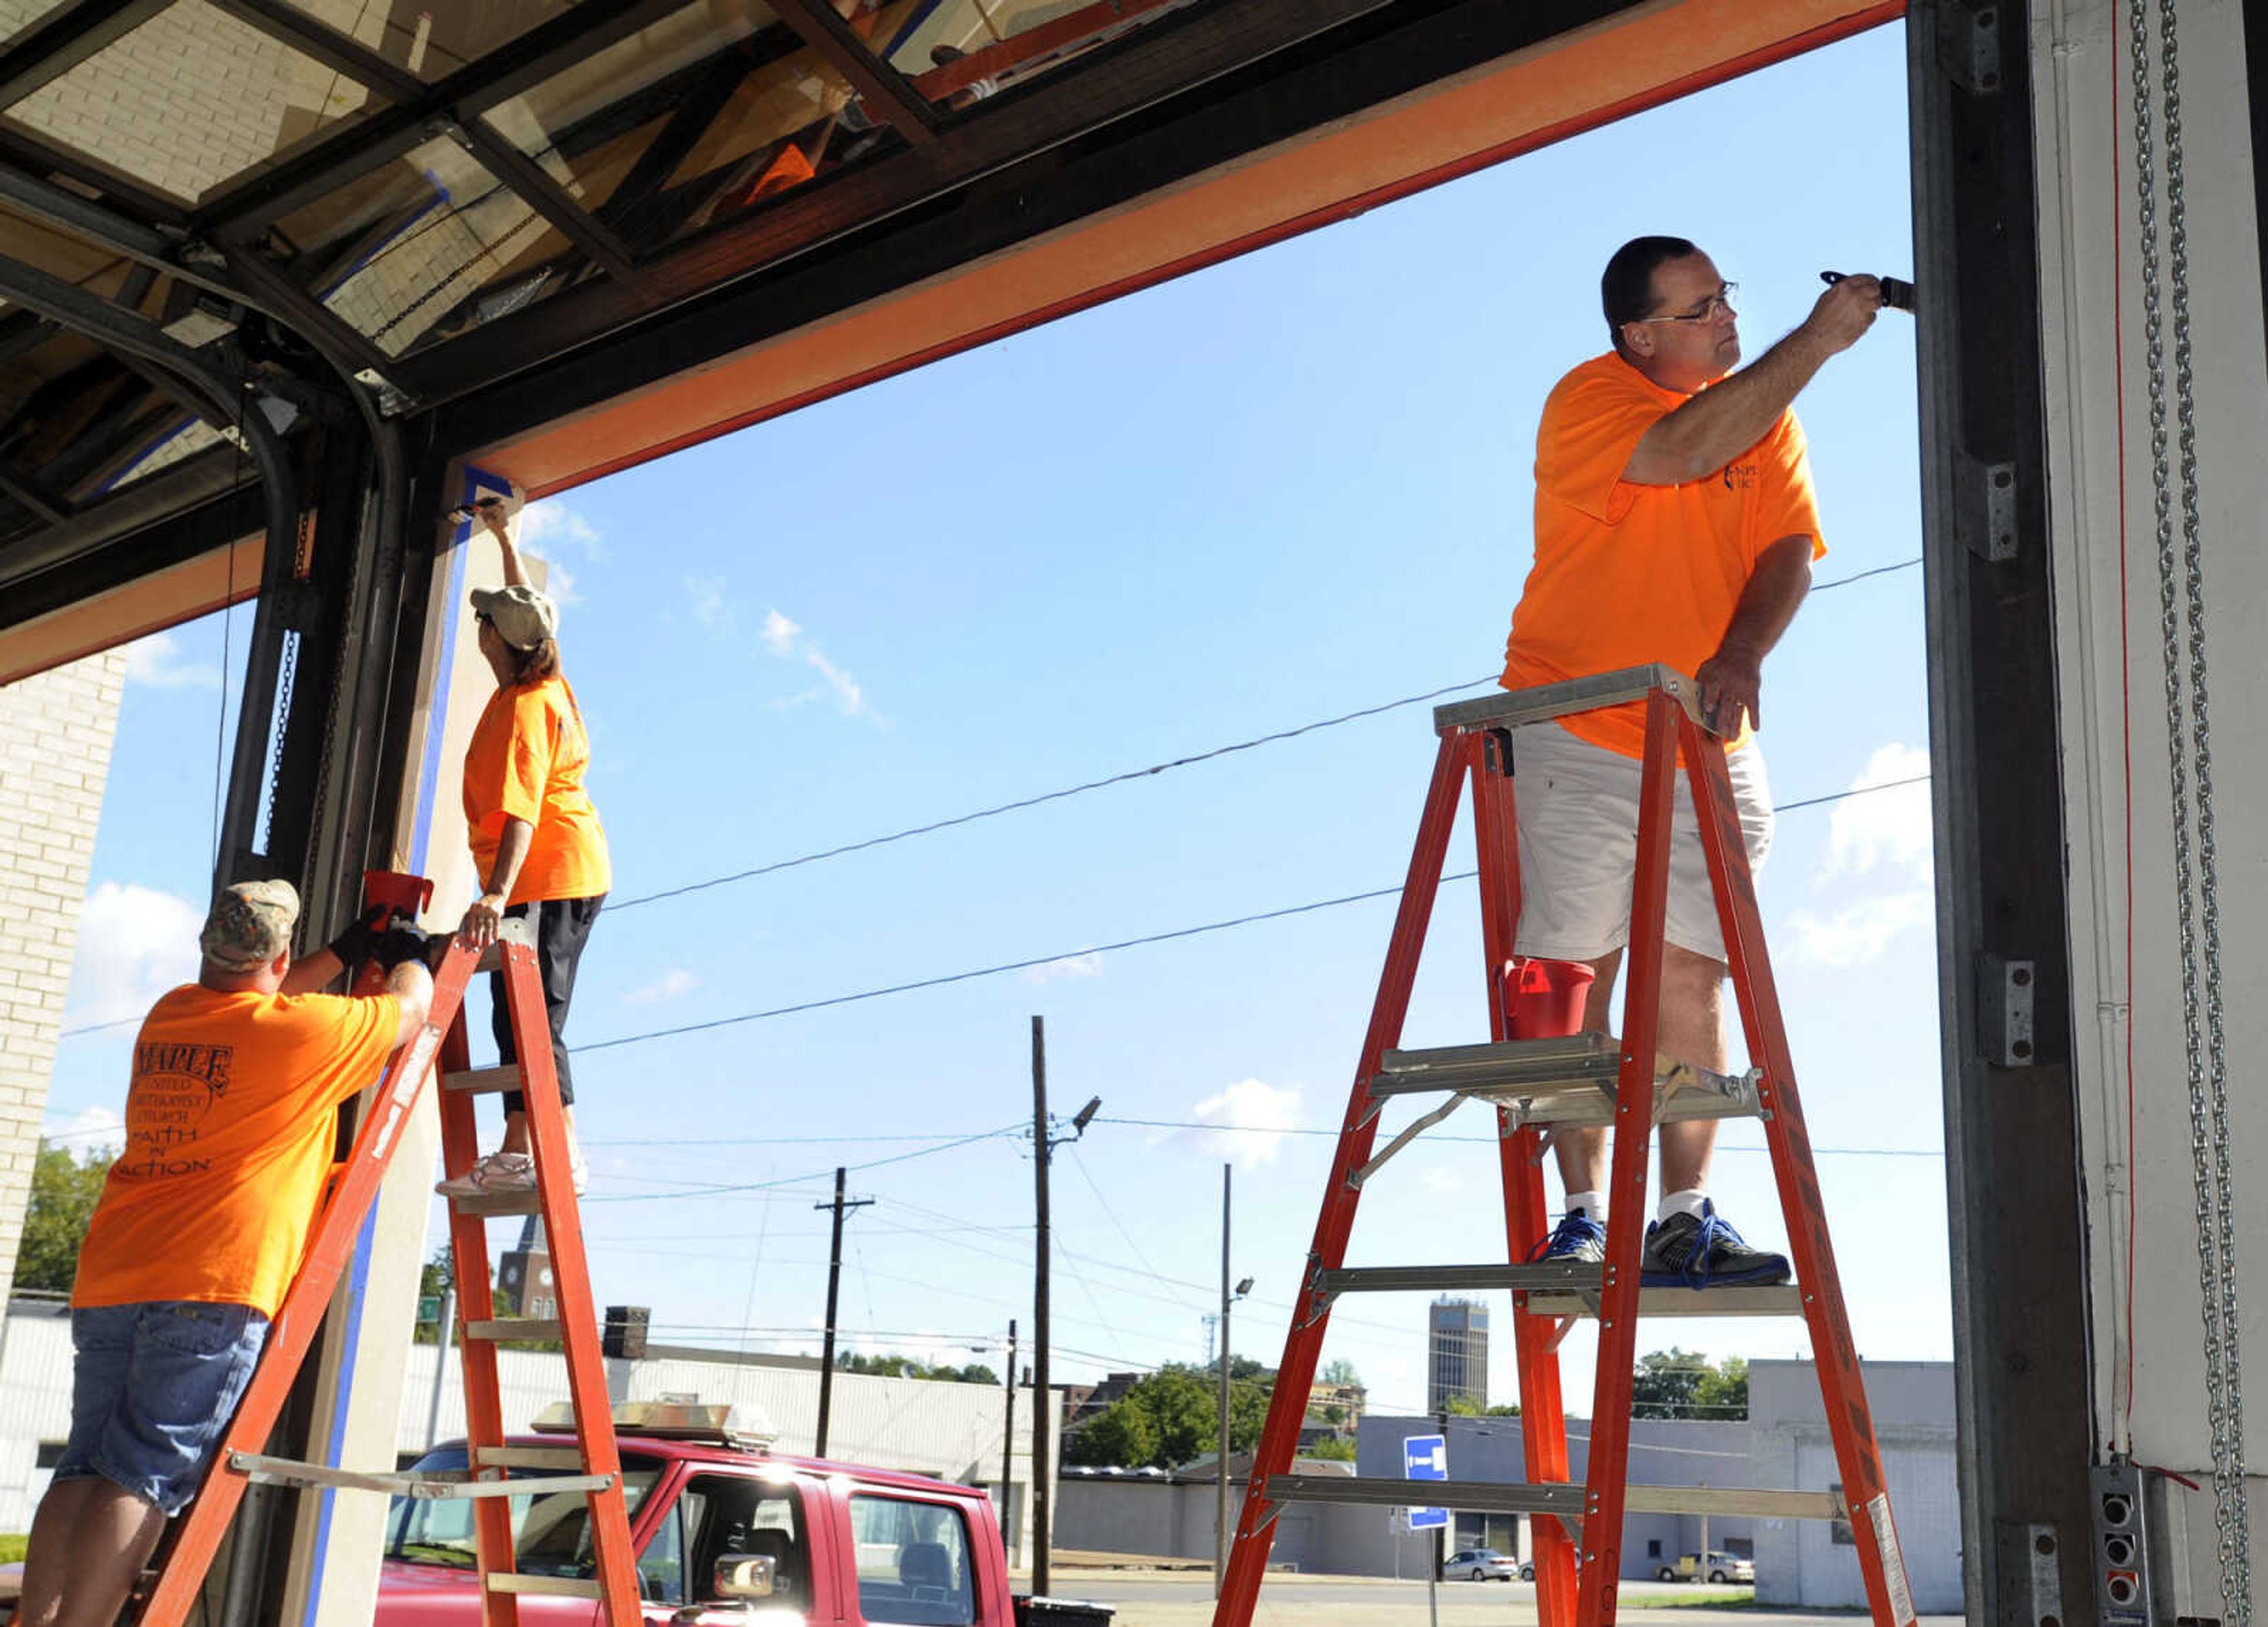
column 155, row 1388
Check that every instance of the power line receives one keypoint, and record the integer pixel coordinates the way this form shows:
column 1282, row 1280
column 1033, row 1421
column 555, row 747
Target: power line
column 1126, row 943
column 1264, row 1130
column 1045, row 797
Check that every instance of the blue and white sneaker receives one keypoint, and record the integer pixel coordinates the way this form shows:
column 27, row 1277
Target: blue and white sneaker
column 1576, row 1237
column 1682, row 1252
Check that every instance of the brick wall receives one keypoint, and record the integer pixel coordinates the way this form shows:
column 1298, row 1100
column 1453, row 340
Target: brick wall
column 55, row 733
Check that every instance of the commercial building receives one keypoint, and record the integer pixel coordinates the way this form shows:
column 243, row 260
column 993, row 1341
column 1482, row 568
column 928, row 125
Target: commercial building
column 1456, row 1353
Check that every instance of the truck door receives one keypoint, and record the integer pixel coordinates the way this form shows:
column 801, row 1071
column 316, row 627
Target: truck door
column 719, row 1516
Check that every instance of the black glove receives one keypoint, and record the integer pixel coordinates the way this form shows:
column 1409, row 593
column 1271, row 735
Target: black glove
column 353, row 947
column 398, row 944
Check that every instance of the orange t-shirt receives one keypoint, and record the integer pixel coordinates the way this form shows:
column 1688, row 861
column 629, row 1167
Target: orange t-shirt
column 1627, row 574
column 527, row 759
column 230, row 1133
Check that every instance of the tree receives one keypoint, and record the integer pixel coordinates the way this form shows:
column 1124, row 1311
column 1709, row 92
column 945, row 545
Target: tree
column 908, row 1367
column 1169, row 1418
column 1341, row 1372
column 435, row 1278
column 64, row 1193
column 1685, row 1384
column 1335, row 1450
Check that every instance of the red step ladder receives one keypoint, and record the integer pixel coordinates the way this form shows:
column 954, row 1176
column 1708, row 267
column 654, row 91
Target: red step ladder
column 1538, row 1082
column 592, row 1465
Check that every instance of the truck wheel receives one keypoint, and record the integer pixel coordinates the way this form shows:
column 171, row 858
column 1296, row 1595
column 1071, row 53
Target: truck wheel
column 1665, row 1574
column 1717, row 1576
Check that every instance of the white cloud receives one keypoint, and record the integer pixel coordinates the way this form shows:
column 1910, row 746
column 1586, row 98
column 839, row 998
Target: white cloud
column 1861, row 932
column 550, row 525
column 1088, row 965
column 133, row 943
column 779, row 634
column 672, row 984
column 1251, row 1118
column 559, row 583
column 709, row 606
column 787, row 640
column 92, row 1129
column 1885, row 827
column 1442, row 1180
column 156, row 661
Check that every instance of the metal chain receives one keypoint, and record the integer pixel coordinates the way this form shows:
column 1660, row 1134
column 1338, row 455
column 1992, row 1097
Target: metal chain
column 2207, row 1084
column 2238, row 1576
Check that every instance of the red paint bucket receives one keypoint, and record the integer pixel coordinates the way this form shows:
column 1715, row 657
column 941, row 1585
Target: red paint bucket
column 1546, row 997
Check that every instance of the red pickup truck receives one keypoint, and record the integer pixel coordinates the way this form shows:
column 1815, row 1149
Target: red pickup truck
column 727, row 1533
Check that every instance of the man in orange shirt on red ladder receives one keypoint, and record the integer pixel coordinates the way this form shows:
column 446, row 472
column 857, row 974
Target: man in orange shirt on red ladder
column 1674, row 522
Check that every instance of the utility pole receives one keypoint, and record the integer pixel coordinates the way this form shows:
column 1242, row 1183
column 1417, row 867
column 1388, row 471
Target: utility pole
column 834, row 1284
column 1044, row 1143
column 1045, row 1148
column 1008, row 1449
column 1220, row 1457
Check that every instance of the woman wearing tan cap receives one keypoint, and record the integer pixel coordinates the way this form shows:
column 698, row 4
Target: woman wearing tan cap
column 536, row 839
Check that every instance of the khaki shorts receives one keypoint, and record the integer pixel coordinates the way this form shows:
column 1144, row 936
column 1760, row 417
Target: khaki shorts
column 1577, row 806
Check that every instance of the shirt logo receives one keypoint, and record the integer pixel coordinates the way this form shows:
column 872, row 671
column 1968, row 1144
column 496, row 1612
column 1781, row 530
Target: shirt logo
column 1740, row 476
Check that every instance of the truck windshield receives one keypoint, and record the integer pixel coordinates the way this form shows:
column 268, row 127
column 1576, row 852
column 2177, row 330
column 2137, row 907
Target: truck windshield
column 550, row 1532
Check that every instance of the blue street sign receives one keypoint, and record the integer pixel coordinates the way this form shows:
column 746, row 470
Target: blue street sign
column 1425, row 1457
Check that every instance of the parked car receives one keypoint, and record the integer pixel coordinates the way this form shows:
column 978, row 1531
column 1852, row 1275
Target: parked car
column 1528, row 1570
column 1479, row 1564
column 720, row 1523
column 1720, row 1567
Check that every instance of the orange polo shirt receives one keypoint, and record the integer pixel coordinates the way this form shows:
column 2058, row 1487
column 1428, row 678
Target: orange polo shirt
column 1627, row 574
column 230, row 1125
column 527, row 759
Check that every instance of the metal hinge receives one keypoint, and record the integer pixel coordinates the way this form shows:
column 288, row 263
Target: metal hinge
column 2005, row 992
column 1984, row 499
column 1969, row 48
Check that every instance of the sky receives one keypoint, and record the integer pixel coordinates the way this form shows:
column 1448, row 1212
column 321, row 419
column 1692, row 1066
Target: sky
column 1289, row 488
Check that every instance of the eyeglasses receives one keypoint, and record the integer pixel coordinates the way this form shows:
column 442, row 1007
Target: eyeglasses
column 1720, row 303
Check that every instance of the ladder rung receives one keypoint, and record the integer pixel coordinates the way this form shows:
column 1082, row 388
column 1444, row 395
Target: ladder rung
column 478, row 1081
column 513, row 930
column 1512, row 1497
column 557, row 1586
column 488, row 1203
column 1784, row 1300
column 1569, row 1278
column 1559, row 700
column 517, row 1327
column 528, row 1457
column 1567, row 1080
column 274, row 1471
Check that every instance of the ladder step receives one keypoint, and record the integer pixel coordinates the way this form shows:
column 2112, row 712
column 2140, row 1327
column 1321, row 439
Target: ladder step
column 273, row 1471
column 1785, row 1301
column 528, row 1457
column 488, row 1203
column 479, row 1081
column 1558, row 700
column 517, row 1327
column 1569, row 1079
column 513, row 930
column 1511, row 1498
column 555, row 1587
column 1567, row 1277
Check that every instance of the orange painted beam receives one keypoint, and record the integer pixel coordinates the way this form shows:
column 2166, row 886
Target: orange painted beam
column 148, row 604
column 1563, row 87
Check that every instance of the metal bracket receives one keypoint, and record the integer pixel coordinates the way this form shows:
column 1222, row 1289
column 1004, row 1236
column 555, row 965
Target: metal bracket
column 2032, row 1575
column 1984, row 501
column 1496, row 751
column 2005, row 993
column 1969, row 48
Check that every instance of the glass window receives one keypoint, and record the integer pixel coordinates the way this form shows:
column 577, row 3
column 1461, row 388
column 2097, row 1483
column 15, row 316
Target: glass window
column 550, row 1532
column 739, row 1517
column 662, row 1562
column 913, row 1561
column 192, row 99
column 431, row 41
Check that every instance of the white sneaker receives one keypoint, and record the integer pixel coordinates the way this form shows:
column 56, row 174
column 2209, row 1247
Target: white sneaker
column 496, row 1172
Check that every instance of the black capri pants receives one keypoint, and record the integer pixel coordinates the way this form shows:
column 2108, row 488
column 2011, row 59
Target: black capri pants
column 563, row 926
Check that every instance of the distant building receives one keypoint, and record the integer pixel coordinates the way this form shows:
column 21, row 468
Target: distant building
column 1456, row 1362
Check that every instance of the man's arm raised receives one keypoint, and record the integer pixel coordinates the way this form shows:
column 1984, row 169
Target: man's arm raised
column 1717, row 425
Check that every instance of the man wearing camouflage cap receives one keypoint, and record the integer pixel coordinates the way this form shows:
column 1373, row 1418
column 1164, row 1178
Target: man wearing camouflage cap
column 230, row 1122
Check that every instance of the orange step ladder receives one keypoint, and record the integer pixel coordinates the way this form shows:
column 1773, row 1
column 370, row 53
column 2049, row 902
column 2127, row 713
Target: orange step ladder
column 592, row 1465
column 1537, row 1082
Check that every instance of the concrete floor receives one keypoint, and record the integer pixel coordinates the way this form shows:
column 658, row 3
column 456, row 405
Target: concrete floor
column 1184, row 1599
